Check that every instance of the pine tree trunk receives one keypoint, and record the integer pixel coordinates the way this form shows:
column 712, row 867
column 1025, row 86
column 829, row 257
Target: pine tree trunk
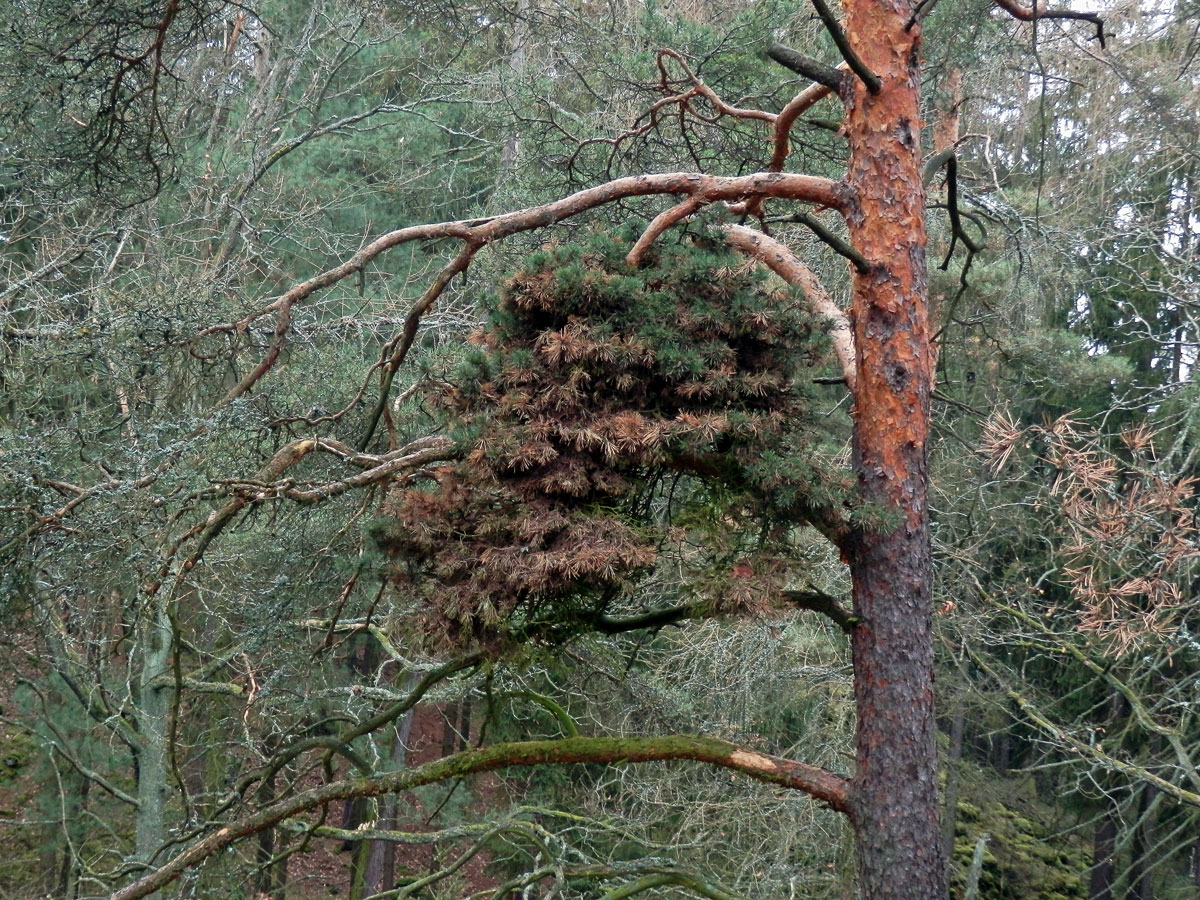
column 895, row 807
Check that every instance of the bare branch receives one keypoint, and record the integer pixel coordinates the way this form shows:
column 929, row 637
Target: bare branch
column 869, row 78
column 54, row 519
column 1136, row 703
column 1088, row 751
column 479, row 232
column 409, row 333
column 263, row 487
column 703, row 90
column 1038, row 11
column 957, row 232
column 821, row 784
column 780, row 260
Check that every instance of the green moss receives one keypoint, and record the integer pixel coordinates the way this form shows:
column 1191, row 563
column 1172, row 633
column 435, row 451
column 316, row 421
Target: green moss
column 1025, row 858
column 17, row 752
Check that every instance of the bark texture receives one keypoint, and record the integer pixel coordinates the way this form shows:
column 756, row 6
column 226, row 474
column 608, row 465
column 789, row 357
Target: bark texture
column 894, row 796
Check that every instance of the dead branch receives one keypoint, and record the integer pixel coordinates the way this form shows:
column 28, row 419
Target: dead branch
column 780, row 260
column 262, row 487
column 835, row 243
column 810, row 68
column 1039, row 11
column 409, row 334
column 819, row 783
column 857, row 66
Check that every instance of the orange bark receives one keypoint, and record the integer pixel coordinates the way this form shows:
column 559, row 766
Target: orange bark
column 894, row 798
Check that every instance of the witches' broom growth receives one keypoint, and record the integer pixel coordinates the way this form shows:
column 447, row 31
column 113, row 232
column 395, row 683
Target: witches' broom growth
column 601, row 408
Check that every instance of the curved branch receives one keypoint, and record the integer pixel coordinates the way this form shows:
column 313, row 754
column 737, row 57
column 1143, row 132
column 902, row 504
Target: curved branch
column 1136, row 703
column 787, row 117
column 780, row 260
column 1038, row 11
column 821, row 784
column 703, row 90
column 388, row 714
column 82, row 495
column 934, row 164
column 957, row 232
column 657, row 226
column 565, row 721
column 476, row 233
column 819, row 601
column 660, row 877
column 813, row 600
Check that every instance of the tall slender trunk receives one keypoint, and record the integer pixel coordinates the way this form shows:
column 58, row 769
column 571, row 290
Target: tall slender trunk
column 1141, row 863
column 950, row 795
column 380, row 873
column 894, row 804
column 1195, row 863
column 1104, row 846
column 154, row 698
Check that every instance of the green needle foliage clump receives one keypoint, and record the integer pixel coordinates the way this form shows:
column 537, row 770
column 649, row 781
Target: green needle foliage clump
column 600, row 405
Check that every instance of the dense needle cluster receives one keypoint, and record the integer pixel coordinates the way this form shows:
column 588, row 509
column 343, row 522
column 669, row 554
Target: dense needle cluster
column 593, row 387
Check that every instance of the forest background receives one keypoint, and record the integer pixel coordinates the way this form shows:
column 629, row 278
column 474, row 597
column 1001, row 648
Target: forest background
column 231, row 573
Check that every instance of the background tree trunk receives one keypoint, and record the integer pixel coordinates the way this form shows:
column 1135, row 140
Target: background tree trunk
column 380, row 872
column 153, row 722
column 1104, row 843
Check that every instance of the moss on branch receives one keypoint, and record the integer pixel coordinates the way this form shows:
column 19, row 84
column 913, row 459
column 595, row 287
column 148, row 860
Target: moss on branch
column 822, row 785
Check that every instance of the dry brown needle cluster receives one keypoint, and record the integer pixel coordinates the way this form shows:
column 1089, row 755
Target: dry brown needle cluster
column 1125, row 533
column 594, row 387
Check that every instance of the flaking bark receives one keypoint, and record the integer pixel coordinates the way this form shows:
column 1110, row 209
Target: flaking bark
column 894, row 799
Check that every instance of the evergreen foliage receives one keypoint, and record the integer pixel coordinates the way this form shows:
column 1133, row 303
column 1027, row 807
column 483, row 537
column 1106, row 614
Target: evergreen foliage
column 592, row 384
